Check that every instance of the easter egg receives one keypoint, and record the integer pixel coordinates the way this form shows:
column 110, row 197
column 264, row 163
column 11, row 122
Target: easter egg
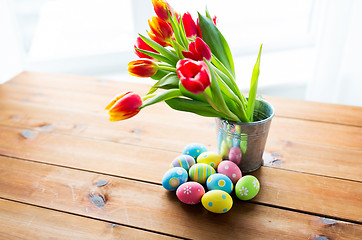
column 247, row 187
column 211, row 158
column 173, row 178
column 217, row 201
column 219, row 181
column 190, row 192
column 194, row 150
column 184, row 161
column 230, row 169
column 235, row 155
column 199, row 172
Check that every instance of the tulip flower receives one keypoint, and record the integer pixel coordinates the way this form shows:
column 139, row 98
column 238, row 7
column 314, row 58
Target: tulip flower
column 162, row 8
column 198, row 50
column 159, row 41
column 124, row 106
column 189, row 25
column 142, row 68
column 161, row 29
column 194, row 75
column 140, row 44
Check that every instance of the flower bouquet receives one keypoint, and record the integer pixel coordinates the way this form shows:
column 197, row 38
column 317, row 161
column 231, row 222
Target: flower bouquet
column 192, row 65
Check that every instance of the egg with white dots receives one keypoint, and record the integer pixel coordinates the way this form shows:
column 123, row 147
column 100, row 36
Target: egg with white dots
column 194, row 149
column 217, row 201
column 211, row 158
column 230, row 169
column 219, row 181
column 174, row 177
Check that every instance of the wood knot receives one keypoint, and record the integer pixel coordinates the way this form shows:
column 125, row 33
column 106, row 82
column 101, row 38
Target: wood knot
column 101, row 183
column 97, row 199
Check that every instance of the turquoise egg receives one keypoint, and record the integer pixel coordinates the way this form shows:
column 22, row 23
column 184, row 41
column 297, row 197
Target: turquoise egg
column 194, row 150
column 184, row 161
column 174, row 177
column 219, row 181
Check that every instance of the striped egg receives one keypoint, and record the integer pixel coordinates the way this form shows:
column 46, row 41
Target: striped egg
column 184, row 161
column 199, row 172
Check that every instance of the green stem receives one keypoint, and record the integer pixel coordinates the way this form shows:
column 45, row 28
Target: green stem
column 167, row 68
column 210, row 101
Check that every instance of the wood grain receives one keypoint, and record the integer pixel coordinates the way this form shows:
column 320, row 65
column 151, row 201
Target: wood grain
column 292, row 154
column 292, row 108
column 296, row 130
column 150, row 164
column 150, row 207
column 21, row 221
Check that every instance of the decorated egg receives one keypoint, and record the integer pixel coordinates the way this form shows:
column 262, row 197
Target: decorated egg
column 235, row 155
column 217, row 201
column 247, row 187
column 211, row 158
column 184, row 161
column 199, row 172
column 194, row 150
column 190, row 192
column 219, row 181
column 173, row 178
column 230, row 169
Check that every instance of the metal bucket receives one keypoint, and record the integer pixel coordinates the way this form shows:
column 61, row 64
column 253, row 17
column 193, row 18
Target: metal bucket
column 249, row 137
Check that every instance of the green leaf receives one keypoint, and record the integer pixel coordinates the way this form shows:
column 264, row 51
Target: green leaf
column 171, row 56
column 198, row 97
column 217, row 43
column 253, row 87
column 156, row 56
column 162, row 96
column 160, row 74
column 193, row 106
column 170, row 80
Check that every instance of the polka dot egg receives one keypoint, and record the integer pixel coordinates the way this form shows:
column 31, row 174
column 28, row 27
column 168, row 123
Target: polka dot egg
column 211, row 158
column 173, row 178
column 184, row 161
column 190, row 192
column 247, row 187
column 217, row 201
column 219, row 181
column 229, row 169
column 200, row 172
column 194, row 150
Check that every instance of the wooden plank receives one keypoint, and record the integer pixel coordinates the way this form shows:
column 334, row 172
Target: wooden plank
column 333, row 113
column 291, row 154
column 148, row 206
column 318, row 133
column 21, row 221
column 150, row 164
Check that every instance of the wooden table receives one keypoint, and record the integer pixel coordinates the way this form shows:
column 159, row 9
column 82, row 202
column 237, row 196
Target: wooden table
column 66, row 172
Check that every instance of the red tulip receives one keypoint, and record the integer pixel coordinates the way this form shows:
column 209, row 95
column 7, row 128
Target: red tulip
column 159, row 41
column 198, row 50
column 162, row 8
column 142, row 68
column 140, row 44
column 194, row 75
column 189, row 25
column 124, row 106
column 161, row 29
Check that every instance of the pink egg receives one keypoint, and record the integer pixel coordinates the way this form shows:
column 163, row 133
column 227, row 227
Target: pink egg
column 235, row 155
column 190, row 192
column 230, row 169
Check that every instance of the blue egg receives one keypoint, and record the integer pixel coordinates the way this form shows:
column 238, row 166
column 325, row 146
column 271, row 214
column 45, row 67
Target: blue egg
column 194, row 150
column 219, row 181
column 184, row 161
column 174, row 177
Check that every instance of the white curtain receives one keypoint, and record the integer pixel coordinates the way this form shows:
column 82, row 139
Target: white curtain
column 11, row 49
column 338, row 74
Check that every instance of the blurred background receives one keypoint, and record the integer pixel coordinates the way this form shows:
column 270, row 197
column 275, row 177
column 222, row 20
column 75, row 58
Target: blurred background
column 311, row 48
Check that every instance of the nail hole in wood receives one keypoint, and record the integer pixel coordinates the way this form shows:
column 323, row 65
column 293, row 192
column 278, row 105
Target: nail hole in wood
column 97, row 199
column 27, row 134
column 101, row 183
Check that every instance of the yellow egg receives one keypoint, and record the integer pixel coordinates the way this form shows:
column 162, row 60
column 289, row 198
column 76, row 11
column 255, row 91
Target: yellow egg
column 217, row 201
column 211, row 158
